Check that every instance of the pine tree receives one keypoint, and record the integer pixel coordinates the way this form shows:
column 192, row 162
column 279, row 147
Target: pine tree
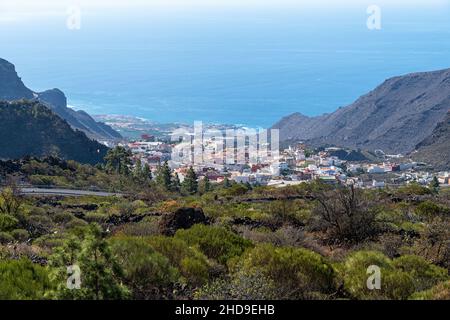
column 190, row 184
column 434, row 185
column 175, row 183
column 164, row 176
column 100, row 275
column 138, row 170
column 147, row 173
column 226, row 183
column 118, row 160
column 204, row 185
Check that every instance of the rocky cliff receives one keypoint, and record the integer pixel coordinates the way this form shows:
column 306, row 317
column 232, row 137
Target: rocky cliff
column 12, row 88
column 394, row 117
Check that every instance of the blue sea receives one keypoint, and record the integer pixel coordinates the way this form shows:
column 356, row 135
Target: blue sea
column 229, row 65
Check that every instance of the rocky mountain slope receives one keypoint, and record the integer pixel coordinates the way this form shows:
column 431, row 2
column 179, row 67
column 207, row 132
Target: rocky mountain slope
column 394, row 117
column 31, row 129
column 12, row 88
column 435, row 149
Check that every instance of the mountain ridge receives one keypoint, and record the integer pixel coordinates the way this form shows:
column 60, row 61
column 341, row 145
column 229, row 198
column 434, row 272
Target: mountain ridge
column 12, row 88
column 32, row 129
column 386, row 118
column 435, row 149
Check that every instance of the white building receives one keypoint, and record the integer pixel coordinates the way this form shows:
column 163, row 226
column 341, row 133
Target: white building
column 376, row 169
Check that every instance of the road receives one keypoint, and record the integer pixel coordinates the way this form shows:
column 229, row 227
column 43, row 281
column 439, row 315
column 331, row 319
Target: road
column 66, row 192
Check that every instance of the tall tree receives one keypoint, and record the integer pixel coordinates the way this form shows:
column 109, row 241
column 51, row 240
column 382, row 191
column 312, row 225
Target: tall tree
column 226, row 183
column 138, row 170
column 147, row 173
column 204, row 185
column 99, row 274
column 175, row 183
column 10, row 201
column 164, row 176
column 190, row 184
column 434, row 185
column 118, row 160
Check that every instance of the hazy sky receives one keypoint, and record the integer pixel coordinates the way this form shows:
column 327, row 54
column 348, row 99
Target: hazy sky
column 16, row 9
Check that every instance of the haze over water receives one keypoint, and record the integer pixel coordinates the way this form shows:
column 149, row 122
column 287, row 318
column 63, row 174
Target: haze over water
column 247, row 65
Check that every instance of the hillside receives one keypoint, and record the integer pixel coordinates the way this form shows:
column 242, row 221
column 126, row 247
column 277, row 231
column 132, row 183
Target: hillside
column 394, row 117
column 435, row 149
column 12, row 88
column 31, row 129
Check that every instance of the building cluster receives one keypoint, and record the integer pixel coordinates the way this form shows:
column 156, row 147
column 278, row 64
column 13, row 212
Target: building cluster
column 152, row 153
column 292, row 166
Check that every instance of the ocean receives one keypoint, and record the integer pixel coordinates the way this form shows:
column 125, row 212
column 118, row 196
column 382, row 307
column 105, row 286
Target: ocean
column 234, row 66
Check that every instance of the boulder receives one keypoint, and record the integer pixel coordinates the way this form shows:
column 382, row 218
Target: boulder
column 183, row 218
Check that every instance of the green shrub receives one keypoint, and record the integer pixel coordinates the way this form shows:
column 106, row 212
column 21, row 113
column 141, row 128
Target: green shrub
column 149, row 226
column 297, row 273
column 76, row 223
column 215, row 242
column 193, row 264
column 23, row 280
column 95, row 217
column 148, row 273
column 428, row 209
column 400, row 277
column 39, row 224
column 239, row 286
column 20, row 235
column 439, row 292
column 236, row 190
column 62, row 217
column 413, row 189
column 354, row 275
column 7, row 222
column 425, row 274
column 6, row 238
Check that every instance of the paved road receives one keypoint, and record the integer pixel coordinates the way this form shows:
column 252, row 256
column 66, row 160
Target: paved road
column 66, row 192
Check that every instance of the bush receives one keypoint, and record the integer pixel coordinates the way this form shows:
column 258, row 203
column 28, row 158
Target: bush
column 76, row 223
column 215, row 242
column 95, row 217
column 400, row 278
column 20, row 235
column 347, row 215
column 6, row 238
column 149, row 226
column 193, row 264
column 239, row 286
column 428, row 209
column 438, row 292
column 354, row 276
column 62, row 217
column 296, row 272
column 38, row 224
column 7, row 222
column 236, row 190
column 147, row 272
column 425, row 274
column 23, row 280
column 413, row 189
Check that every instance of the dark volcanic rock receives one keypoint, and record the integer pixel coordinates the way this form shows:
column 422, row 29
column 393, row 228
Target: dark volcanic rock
column 183, row 218
column 394, row 117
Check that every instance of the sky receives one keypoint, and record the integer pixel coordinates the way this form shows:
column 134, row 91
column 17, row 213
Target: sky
column 281, row 56
column 17, row 8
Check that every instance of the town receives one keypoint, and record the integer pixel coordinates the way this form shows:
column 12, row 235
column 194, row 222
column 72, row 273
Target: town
column 291, row 166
